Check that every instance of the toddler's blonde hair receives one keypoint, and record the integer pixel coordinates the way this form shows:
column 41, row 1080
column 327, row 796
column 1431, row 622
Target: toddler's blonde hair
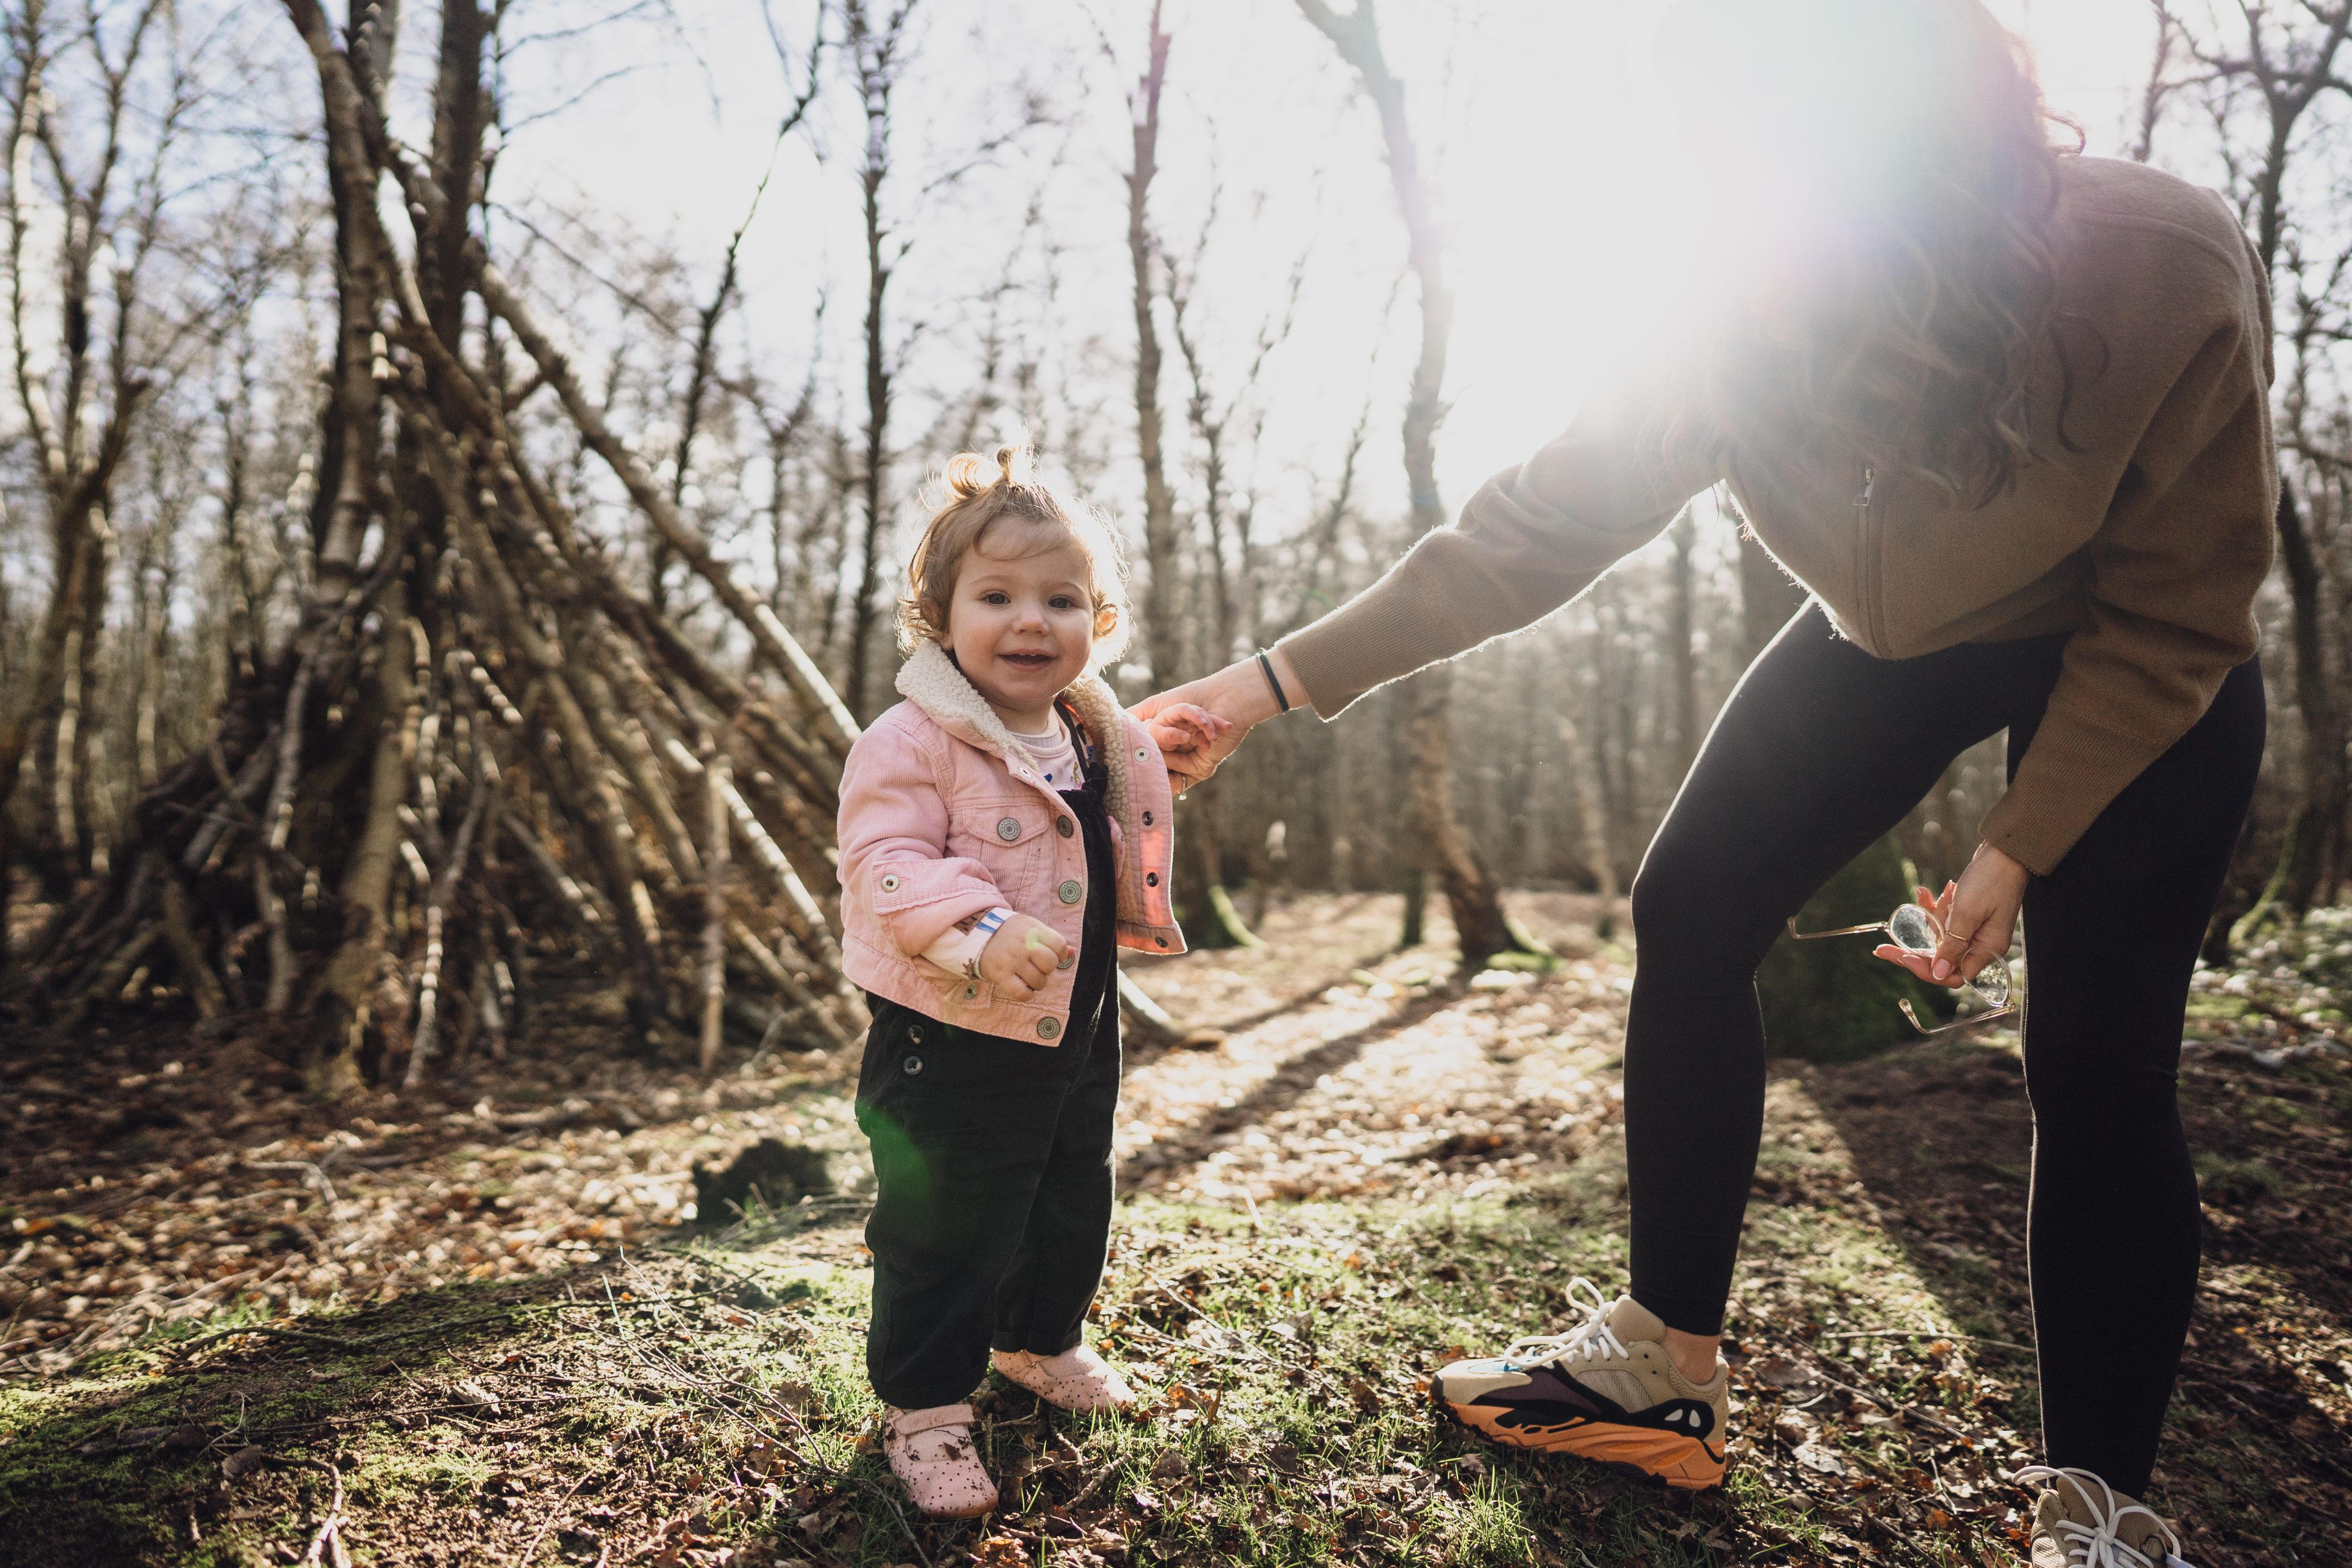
column 982, row 492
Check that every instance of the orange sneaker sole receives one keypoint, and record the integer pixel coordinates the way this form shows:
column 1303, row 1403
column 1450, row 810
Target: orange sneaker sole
column 1679, row 1461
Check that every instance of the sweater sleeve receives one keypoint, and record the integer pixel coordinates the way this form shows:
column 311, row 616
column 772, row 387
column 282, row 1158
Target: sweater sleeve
column 2172, row 579
column 1530, row 540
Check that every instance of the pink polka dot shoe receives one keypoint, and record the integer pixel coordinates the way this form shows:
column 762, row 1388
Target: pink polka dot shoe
column 933, row 1456
column 1077, row 1379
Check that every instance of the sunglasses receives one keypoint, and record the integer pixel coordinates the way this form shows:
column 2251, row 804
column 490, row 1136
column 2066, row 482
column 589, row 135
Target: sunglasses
column 1915, row 929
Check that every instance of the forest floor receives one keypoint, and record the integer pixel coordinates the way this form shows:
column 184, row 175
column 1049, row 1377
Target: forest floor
column 469, row 1326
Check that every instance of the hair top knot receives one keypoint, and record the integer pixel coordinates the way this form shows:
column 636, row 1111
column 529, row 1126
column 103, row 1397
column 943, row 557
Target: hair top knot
column 983, row 492
column 968, row 476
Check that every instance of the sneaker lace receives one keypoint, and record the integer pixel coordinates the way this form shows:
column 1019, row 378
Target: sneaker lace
column 1591, row 1340
column 2095, row 1545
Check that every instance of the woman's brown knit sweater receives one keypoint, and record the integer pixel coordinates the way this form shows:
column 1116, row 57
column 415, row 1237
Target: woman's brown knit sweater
column 2145, row 535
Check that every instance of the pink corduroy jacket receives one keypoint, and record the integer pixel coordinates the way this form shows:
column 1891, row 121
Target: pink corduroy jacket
column 944, row 814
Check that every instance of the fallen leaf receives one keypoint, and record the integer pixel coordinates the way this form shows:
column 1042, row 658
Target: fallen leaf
column 242, row 1462
column 1779, row 1372
column 1819, row 1461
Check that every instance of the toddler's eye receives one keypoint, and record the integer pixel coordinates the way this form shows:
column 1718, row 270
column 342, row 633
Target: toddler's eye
column 995, row 596
column 1063, row 601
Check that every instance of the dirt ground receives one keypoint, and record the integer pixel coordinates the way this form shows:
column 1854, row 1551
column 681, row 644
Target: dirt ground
column 474, row 1326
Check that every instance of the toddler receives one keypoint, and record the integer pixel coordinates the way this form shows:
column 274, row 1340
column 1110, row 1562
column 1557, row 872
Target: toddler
column 1003, row 832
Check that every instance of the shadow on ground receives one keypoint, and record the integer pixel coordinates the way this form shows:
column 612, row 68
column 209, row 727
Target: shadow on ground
column 1940, row 1138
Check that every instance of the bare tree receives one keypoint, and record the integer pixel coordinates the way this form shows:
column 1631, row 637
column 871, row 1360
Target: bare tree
column 877, row 40
column 2259, row 86
column 84, row 209
column 1480, row 922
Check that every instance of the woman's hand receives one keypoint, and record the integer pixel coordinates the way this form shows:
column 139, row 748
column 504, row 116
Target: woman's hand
column 1023, row 956
column 1978, row 916
column 1179, row 729
column 1238, row 698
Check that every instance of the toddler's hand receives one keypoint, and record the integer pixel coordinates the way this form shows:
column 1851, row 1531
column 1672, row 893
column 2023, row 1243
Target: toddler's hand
column 1023, row 956
column 1180, row 730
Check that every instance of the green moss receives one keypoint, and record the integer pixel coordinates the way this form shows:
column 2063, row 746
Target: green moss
column 1831, row 1001
column 2221, row 1179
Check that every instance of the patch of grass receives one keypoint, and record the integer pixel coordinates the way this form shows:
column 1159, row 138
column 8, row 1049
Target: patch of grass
column 2221, row 1179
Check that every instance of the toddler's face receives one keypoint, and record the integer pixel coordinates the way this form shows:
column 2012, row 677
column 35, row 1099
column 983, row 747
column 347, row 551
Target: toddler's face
column 1022, row 624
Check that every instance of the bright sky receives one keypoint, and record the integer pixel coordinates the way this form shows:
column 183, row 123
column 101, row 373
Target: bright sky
column 1538, row 114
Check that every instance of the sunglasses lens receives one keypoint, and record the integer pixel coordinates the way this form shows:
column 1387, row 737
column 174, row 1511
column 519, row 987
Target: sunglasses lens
column 1914, row 929
column 1992, row 984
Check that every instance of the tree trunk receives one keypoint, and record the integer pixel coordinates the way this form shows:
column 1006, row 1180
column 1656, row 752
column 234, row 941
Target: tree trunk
column 346, row 1007
column 1161, row 618
column 1470, row 889
column 873, row 48
column 2311, row 864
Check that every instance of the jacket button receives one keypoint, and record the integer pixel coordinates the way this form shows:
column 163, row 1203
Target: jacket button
column 1161, row 940
column 1048, row 1028
column 889, row 884
column 1008, row 829
column 972, row 993
column 1152, row 879
column 1147, row 818
column 916, row 1035
column 1062, row 826
column 1071, row 892
column 912, row 1067
column 1067, row 959
column 1140, row 754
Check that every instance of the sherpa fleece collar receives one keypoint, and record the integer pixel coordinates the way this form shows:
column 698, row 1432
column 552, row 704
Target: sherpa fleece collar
column 931, row 680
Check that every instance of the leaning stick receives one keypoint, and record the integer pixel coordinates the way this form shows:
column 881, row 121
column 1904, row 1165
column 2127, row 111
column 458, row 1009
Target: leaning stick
column 771, row 968
column 778, row 644
column 800, row 914
column 179, row 933
column 714, row 904
column 428, row 989
column 251, row 780
column 570, row 896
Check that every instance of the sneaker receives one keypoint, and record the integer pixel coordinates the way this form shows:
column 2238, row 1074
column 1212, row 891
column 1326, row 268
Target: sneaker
column 1605, row 1390
column 2081, row 1522
column 932, row 1454
column 1077, row 1379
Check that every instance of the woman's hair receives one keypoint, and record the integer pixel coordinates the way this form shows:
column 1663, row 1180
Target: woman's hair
column 982, row 493
column 1919, row 128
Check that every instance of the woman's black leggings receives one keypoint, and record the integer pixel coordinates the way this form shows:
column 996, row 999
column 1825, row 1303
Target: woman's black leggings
column 1821, row 750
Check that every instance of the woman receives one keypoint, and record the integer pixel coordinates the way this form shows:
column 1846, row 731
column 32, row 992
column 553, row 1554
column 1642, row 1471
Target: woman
column 2003, row 410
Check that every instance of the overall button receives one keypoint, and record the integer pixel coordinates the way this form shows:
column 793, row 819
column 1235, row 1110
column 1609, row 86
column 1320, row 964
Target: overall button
column 1048, row 1028
column 1147, row 818
column 1071, row 892
column 912, row 1067
column 1008, row 829
column 1067, row 959
column 1062, row 826
column 916, row 1035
